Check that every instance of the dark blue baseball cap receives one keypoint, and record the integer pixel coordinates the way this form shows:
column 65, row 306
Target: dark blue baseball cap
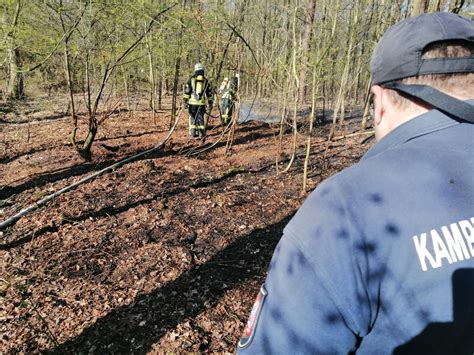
column 399, row 54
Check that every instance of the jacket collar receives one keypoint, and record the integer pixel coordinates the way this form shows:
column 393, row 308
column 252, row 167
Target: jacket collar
column 426, row 123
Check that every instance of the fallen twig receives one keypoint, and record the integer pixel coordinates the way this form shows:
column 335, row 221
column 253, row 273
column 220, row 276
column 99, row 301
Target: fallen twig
column 370, row 133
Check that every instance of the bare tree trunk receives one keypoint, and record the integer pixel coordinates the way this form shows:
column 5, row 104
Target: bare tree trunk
column 305, row 47
column 366, row 113
column 160, row 93
column 151, row 75
column 84, row 149
column 310, row 131
column 127, row 93
column 234, row 121
column 69, row 84
column 174, row 98
column 15, row 82
column 419, row 7
column 339, row 108
column 295, row 103
column 221, row 62
column 456, row 6
column 434, row 5
column 177, row 68
column 68, row 67
column 284, row 111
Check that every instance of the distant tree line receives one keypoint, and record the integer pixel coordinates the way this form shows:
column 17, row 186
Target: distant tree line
column 290, row 52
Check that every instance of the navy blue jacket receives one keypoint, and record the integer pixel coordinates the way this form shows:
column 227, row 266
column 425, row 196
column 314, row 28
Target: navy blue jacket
column 380, row 257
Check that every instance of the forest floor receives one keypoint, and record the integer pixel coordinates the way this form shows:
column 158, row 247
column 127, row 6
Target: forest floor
column 165, row 253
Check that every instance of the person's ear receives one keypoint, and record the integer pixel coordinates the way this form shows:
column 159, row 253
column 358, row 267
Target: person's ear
column 379, row 109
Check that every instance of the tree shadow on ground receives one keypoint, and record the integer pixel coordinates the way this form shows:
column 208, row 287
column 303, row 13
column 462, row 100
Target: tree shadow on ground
column 9, row 159
column 27, row 121
column 109, row 211
column 60, row 174
column 124, row 330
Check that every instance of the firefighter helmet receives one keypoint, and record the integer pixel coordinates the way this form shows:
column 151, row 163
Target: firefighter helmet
column 198, row 67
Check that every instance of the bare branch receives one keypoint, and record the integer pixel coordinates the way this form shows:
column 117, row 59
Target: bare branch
column 245, row 42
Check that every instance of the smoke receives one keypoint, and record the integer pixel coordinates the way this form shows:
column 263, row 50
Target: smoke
column 258, row 111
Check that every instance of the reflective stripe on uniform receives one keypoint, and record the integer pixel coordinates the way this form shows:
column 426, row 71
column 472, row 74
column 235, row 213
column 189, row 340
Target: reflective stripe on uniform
column 195, row 102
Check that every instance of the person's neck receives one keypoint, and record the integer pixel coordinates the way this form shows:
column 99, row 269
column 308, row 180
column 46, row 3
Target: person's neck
column 395, row 117
column 407, row 115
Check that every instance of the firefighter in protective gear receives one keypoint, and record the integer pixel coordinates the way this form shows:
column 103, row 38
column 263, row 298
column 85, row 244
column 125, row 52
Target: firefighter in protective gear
column 224, row 86
column 197, row 94
column 228, row 89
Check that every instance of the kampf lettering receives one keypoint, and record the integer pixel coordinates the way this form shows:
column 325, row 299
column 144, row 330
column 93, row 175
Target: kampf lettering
column 445, row 245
